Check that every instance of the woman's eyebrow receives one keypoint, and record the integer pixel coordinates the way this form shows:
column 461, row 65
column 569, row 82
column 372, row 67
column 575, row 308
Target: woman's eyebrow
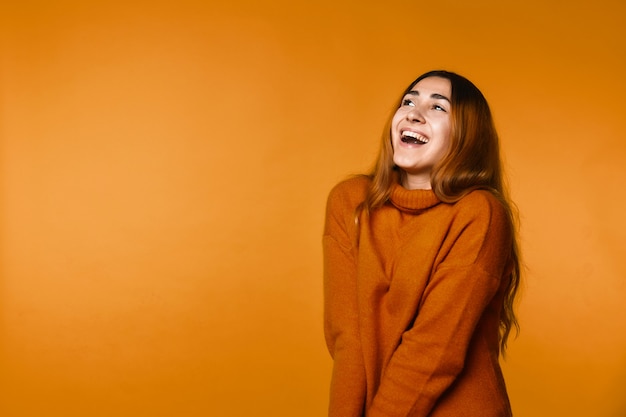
column 434, row 95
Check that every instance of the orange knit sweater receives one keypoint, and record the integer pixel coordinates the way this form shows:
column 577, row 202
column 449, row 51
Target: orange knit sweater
column 412, row 306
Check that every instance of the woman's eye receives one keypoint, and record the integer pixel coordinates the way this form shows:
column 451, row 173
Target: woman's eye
column 407, row 102
column 438, row 107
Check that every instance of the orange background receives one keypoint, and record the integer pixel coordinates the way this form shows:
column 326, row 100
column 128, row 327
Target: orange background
column 165, row 167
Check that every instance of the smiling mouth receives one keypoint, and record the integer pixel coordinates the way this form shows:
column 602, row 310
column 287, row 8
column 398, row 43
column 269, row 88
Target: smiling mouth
column 412, row 138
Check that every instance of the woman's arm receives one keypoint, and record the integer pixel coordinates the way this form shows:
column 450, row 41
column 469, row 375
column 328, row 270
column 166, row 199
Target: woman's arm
column 347, row 393
column 432, row 352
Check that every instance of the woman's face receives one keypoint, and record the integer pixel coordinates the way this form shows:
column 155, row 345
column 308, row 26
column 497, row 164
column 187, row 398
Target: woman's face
column 420, row 130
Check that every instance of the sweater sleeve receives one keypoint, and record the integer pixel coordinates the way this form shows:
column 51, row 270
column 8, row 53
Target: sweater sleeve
column 431, row 354
column 347, row 393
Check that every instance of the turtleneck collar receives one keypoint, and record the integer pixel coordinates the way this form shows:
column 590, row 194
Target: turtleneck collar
column 412, row 201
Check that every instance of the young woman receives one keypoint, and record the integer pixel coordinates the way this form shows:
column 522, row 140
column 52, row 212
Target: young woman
column 421, row 264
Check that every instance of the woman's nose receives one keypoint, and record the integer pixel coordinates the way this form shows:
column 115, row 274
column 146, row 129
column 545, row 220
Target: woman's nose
column 415, row 115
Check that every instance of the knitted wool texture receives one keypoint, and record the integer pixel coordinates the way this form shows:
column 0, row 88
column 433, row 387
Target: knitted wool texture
column 412, row 300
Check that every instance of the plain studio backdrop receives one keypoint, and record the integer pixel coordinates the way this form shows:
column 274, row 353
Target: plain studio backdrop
column 164, row 172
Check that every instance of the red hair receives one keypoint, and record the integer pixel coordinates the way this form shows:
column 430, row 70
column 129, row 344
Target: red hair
column 471, row 162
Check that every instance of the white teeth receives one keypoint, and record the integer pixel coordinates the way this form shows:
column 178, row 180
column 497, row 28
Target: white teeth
column 413, row 135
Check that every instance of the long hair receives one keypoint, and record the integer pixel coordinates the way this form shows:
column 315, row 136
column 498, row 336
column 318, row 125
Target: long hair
column 472, row 161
